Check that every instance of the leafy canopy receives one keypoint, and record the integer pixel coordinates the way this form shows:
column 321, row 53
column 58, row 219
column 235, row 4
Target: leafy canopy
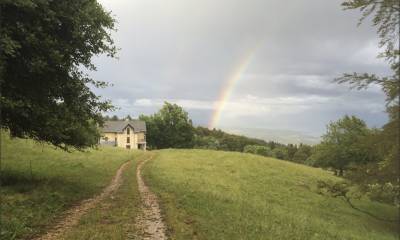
column 381, row 178
column 44, row 45
column 343, row 144
column 386, row 18
column 169, row 128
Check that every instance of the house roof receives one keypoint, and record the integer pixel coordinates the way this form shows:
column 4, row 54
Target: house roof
column 119, row 126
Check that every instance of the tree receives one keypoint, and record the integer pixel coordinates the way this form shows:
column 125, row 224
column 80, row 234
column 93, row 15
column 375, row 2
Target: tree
column 219, row 140
column 383, row 175
column 291, row 151
column 302, row 154
column 129, row 118
column 114, row 118
column 280, row 153
column 259, row 150
column 387, row 20
column 169, row 128
column 43, row 47
column 343, row 145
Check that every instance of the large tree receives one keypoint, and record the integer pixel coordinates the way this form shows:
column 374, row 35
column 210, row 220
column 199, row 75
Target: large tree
column 382, row 176
column 386, row 18
column 170, row 127
column 45, row 46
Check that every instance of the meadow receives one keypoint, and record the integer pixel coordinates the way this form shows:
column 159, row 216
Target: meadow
column 223, row 195
column 39, row 182
column 114, row 218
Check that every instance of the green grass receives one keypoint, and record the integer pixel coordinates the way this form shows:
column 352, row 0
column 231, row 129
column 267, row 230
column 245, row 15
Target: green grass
column 221, row 195
column 32, row 200
column 114, row 218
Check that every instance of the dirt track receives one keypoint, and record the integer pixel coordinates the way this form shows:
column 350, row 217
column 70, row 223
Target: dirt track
column 73, row 215
column 149, row 222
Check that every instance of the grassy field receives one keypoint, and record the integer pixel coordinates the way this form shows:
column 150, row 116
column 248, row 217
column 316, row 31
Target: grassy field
column 38, row 182
column 114, row 218
column 221, row 195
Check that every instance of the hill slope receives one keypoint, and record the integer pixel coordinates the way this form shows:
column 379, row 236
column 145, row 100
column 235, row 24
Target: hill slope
column 32, row 200
column 223, row 195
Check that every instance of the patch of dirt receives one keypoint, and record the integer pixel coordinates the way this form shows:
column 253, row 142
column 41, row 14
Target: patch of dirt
column 73, row 215
column 149, row 223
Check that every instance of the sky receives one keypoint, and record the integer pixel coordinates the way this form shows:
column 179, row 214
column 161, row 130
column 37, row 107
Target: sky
column 260, row 64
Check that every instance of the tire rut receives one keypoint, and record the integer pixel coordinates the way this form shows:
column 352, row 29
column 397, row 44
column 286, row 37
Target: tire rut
column 73, row 215
column 149, row 223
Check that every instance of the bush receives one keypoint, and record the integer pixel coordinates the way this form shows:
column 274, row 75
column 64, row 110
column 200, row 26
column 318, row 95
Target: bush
column 259, row 150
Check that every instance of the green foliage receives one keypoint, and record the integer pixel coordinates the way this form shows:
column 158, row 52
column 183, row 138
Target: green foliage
column 39, row 182
column 259, row 150
column 302, row 154
column 169, row 128
column 343, row 189
column 114, row 118
column 44, row 44
column 280, row 153
column 386, row 18
column 380, row 179
column 343, row 145
column 291, row 151
column 219, row 140
column 228, row 195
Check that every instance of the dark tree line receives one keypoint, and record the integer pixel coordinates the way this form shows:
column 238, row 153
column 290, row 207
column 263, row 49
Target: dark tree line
column 171, row 127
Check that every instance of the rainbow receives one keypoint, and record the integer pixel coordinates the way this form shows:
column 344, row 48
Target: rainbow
column 228, row 88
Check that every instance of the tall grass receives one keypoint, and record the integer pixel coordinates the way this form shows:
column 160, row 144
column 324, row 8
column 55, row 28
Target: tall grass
column 39, row 182
column 222, row 195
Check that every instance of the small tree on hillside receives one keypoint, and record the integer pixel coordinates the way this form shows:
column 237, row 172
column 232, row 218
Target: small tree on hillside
column 343, row 145
column 280, row 153
column 259, row 150
column 302, row 154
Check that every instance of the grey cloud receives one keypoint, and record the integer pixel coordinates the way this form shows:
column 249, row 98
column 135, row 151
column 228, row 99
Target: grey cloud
column 186, row 49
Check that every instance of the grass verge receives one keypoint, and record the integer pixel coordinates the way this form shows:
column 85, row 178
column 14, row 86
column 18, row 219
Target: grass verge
column 220, row 195
column 39, row 182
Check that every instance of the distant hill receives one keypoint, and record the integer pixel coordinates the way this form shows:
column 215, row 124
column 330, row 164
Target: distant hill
column 281, row 136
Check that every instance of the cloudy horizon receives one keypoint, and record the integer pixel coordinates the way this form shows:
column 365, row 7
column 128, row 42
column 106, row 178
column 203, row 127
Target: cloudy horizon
column 185, row 52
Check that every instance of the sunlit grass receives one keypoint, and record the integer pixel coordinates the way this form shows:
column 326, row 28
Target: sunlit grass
column 221, row 195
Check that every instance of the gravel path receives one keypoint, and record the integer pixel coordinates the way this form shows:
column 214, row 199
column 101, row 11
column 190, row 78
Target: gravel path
column 73, row 215
column 149, row 222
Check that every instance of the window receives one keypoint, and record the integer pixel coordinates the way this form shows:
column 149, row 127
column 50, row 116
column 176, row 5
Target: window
column 128, row 146
column 128, row 140
column 128, row 131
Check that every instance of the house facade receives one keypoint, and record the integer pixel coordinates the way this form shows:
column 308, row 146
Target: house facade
column 127, row 134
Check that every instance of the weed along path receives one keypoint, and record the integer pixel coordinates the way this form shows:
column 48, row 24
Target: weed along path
column 149, row 223
column 73, row 215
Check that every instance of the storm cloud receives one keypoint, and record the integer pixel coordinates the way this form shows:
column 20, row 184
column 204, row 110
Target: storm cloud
column 184, row 51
